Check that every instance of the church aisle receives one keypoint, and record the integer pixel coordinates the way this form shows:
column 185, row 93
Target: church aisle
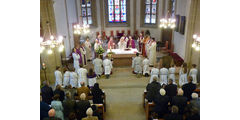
column 124, row 95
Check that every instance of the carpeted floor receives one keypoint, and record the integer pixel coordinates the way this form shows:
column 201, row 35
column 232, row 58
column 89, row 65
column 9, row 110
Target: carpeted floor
column 124, row 95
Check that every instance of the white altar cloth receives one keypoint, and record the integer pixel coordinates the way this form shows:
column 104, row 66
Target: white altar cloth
column 122, row 51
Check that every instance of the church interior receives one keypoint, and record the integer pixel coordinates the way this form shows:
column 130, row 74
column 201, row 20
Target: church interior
column 120, row 59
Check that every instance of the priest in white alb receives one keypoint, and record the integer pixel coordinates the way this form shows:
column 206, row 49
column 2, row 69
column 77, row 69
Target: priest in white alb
column 193, row 72
column 76, row 58
column 73, row 79
column 107, row 64
column 164, row 75
column 88, row 48
column 58, row 76
column 146, row 70
column 122, row 44
column 152, row 52
column 83, row 53
column 98, row 63
column 82, row 75
column 136, row 64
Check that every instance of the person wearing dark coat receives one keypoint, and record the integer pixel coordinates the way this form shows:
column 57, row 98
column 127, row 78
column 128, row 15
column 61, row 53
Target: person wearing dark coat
column 68, row 105
column 59, row 91
column 44, row 108
column 180, row 101
column 95, row 112
column 174, row 114
column 161, row 103
column 152, row 89
column 81, row 106
column 188, row 88
column 97, row 94
column 47, row 93
column 171, row 89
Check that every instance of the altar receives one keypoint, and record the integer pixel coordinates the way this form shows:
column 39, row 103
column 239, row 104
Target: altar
column 122, row 57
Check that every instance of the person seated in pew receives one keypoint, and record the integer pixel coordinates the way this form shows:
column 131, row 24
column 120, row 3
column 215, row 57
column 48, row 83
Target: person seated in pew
column 95, row 111
column 47, row 93
column 152, row 89
column 56, row 104
column 171, row 89
column 189, row 88
column 136, row 64
column 97, row 94
column 68, row 105
column 59, row 91
column 81, row 106
column 51, row 114
column 195, row 102
column 174, row 114
column 83, row 89
column 161, row 103
column 90, row 116
column 44, row 108
column 180, row 101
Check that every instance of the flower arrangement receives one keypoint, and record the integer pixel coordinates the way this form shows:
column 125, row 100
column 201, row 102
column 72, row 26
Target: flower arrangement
column 100, row 50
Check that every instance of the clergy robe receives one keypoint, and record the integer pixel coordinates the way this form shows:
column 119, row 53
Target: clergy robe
column 154, row 72
column 163, row 75
column 79, row 53
column 111, row 44
column 76, row 58
column 107, row 66
column 82, row 76
column 171, row 74
column 152, row 54
column 193, row 72
column 140, row 42
column 147, row 46
column 182, row 77
column 144, row 45
column 58, row 76
column 131, row 44
column 122, row 45
column 66, row 79
column 84, row 58
column 98, row 66
column 91, row 80
column 74, row 79
column 88, row 48
column 146, row 66
column 136, row 64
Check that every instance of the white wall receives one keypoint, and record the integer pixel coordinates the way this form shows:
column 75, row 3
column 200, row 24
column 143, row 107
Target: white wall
column 179, row 40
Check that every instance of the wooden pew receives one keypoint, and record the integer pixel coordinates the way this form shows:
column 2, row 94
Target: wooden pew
column 104, row 100
column 148, row 109
column 100, row 108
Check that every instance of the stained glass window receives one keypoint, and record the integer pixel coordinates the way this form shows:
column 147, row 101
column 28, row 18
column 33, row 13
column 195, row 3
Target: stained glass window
column 86, row 12
column 117, row 11
column 150, row 11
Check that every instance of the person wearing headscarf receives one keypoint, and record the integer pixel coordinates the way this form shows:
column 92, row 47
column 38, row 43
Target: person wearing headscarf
column 97, row 94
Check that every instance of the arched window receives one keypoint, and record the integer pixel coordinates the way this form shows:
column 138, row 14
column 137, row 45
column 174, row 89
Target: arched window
column 117, row 11
column 150, row 11
column 86, row 11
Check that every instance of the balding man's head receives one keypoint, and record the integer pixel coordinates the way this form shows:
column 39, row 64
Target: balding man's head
column 82, row 84
column 180, row 92
column 51, row 113
column 194, row 95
